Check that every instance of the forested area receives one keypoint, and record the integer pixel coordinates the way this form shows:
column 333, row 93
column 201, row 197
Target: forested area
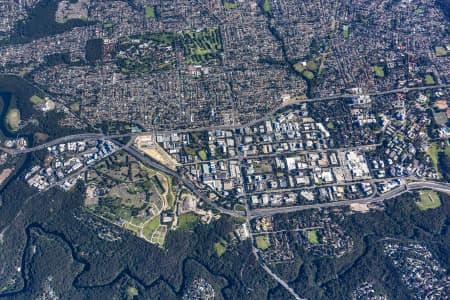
column 55, row 224
column 41, row 22
column 336, row 278
column 94, row 50
column 47, row 123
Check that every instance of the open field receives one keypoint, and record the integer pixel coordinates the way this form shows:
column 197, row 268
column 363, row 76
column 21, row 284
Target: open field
column 202, row 154
column 379, row 71
column 266, row 6
column 159, row 235
column 359, row 207
column 127, row 193
column 330, row 125
column 35, row 99
column 13, row 119
column 187, row 221
column 308, row 75
column 132, row 292
column 433, row 153
column 429, row 80
column 428, row 200
column 229, row 5
column 75, row 106
column 312, row 237
column 170, row 195
column 308, row 69
column 440, row 51
column 150, row 11
column 345, row 31
column 262, row 242
column 149, row 227
column 440, row 118
column 220, row 248
column 239, row 207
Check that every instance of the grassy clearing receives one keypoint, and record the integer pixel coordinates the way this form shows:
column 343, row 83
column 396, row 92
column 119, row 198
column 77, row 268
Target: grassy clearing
column 345, row 31
column 312, row 237
column 159, row 235
column 150, row 227
column 429, row 80
column 132, row 292
column 132, row 227
column 299, row 67
column 13, row 119
column 266, row 6
column 239, row 207
column 433, row 151
column 440, row 51
column 220, row 248
column 379, row 71
column 440, row 118
column 150, row 11
column 262, row 242
column 35, row 99
column 307, row 69
column 308, row 75
column 170, row 197
column 428, row 200
column 202, row 154
column 187, row 221
column 107, row 25
column 75, row 106
column 312, row 65
column 229, row 5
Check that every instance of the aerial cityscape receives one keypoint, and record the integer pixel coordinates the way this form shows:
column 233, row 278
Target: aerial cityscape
column 224, row 149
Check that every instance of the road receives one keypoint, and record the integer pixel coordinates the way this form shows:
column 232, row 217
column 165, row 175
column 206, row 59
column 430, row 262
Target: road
column 255, row 212
column 280, row 281
column 64, row 139
column 216, row 127
column 442, row 187
column 436, row 186
column 241, row 157
column 142, row 157
column 145, row 159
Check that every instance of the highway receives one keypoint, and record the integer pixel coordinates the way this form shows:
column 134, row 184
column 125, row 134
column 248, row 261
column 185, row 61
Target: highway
column 241, row 157
column 436, row 186
column 250, row 213
column 296, row 102
column 145, row 159
column 280, row 281
column 442, row 187
column 266, row 116
column 255, row 212
column 64, row 139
